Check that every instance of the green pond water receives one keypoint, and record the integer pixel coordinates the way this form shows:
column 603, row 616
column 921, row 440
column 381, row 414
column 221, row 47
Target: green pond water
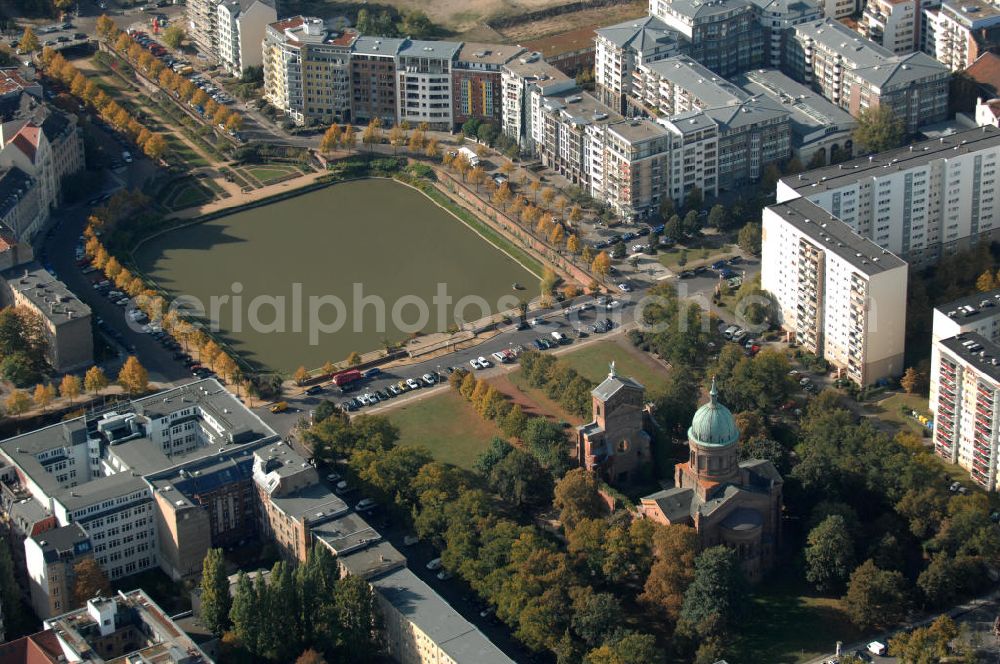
column 308, row 279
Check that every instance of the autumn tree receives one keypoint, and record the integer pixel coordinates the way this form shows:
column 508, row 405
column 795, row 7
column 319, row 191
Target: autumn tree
column 986, row 282
column 155, row 146
column 876, row 597
column 173, row 36
column 353, row 358
column 674, row 551
column 70, row 387
column 331, row 138
column 912, row 381
column 310, row 656
column 91, row 582
column 133, row 377
column 44, row 394
column 105, row 26
column 94, row 380
column 576, row 497
column 17, row 402
column 601, row 264
column 29, row 40
column 572, row 244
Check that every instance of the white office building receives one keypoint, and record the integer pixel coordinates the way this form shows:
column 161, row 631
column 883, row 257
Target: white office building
column 843, row 297
column 423, row 82
column 241, row 25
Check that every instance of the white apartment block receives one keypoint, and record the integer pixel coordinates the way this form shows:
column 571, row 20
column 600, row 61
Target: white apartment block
column 975, row 314
column 694, row 155
column 959, row 32
column 843, row 297
column 893, row 24
column 679, row 84
column 203, row 21
column 929, row 198
column 776, row 16
column 966, row 403
column 518, row 78
column 621, row 48
column 423, row 82
column 241, row 26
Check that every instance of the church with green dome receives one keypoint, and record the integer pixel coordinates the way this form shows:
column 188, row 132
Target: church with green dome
column 729, row 502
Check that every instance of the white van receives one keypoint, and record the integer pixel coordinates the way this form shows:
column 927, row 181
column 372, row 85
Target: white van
column 877, row 648
column 559, row 337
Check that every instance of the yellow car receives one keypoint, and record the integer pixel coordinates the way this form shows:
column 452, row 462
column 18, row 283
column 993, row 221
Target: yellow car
column 279, row 407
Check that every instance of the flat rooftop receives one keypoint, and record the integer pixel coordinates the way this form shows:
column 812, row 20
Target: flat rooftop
column 972, row 308
column 580, row 108
column 977, row 351
column 811, row 113
column 637, row 131
column 419, row 48
column 54, row 301
column 420, row 604
column 531, row 66
column 692, row 76
column 373, row 560
column 836, row 237
column 346, row 534
column 901, row 159
column 314, row 504
column 488, row 54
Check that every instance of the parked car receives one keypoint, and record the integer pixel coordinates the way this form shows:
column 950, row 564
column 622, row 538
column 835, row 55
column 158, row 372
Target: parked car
column 333, row 477
column 434, row 565
column 410, row 540
column 365, row 505
column 315, row 389
column 412, row 384
column 429, row 379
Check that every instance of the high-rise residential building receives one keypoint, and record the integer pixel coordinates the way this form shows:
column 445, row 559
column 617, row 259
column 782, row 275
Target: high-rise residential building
column 959, row 32
column 66, row 320
column 307, row 70
column 965, row 405
column 241, row 27
column 423, row 83
column 202, row 24
column 856, row 73
column 694, row 155
column 842, row 296
column 929, row 198
column 679, row 84
column 373, row 79
column 635, row 169
column 978, row 314
column 893, row 24
column 477, row 85
column 622, row 48
column 725, row 35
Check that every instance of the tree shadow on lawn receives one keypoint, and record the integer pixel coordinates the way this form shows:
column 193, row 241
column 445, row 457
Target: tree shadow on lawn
column 788, row 622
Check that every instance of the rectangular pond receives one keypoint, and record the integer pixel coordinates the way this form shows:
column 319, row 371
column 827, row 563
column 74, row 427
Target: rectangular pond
column 345, row 268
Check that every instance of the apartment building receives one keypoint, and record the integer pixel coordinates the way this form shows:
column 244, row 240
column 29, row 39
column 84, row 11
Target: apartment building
column 693, row 161
column 959, row 32
column 621, row 48
column 241, row 27
column 976, row 314
column 477, row 82
column 568, row 130
column 21, row 208
column 725, row 35
column 965, row 402
column 521, row 78
column 373, row 79
column 127, row 627
column 634, row 174
column 929, row 198
column 752, row 134
column 65, row 318
column 842, row 296
column 47, row 146
column 50, row 560
column 307, row 70
column 680, row 84
column 776, row 17
column 855, row 73
column 892, row 24
column 821, row 131
column 423, row 83
column 202, row 25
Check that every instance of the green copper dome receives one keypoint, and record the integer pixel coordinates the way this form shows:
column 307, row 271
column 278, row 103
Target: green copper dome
column 713, row 425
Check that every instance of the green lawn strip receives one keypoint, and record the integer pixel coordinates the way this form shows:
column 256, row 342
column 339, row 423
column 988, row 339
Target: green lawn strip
column 487, row 232
column 888, row 410
column 447, row 426
column 591, row 362
column 787, row 622
column 189, row 197
column 271, row 174
column 213, row 185
column 670, row 258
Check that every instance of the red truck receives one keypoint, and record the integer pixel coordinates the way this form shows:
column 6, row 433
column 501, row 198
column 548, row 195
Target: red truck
column 346, row 377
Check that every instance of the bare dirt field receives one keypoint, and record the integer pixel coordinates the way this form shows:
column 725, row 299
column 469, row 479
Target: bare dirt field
column 586, row 18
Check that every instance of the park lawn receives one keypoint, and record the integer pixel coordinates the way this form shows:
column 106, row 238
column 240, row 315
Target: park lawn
column 696, row 256
column 268, row 173
column 888, row 409
column 447, row 425
column 787, row 622
column 591, row 361
column 537, row 402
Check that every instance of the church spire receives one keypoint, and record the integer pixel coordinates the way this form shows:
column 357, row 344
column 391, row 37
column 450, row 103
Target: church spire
column 713, row 393
column 611, row 373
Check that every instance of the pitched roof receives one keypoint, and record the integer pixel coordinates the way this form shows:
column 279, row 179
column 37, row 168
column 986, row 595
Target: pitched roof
column 38, row 648
column 986, row 72
column 27, row 139
column 612, row 384
column 639, row 35
column 675, row 504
